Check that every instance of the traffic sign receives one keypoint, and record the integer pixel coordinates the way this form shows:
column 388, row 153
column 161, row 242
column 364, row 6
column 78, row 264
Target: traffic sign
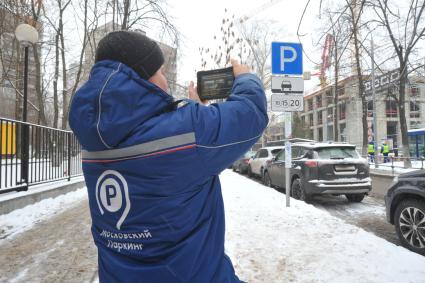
column 287, row 58
column 287, row 84
column 287, row 102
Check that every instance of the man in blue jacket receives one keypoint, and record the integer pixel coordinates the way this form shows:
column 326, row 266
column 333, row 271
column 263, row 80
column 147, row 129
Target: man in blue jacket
column 151, row 165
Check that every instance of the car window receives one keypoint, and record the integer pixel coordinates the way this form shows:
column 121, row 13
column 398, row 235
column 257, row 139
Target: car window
column 298, row 152
column 336, row 153
column 264, row 153
column 294, row 152
column 249, row 154
column 281, row 156
column 276, row 151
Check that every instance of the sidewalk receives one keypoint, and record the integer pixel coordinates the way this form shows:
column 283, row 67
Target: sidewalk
column 266, row 241
column 59, row 249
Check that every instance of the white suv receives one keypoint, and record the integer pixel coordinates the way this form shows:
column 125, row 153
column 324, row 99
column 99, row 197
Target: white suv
column 259, row 161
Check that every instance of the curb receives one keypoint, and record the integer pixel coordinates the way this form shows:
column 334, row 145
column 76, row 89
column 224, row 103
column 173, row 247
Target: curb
column 381, row 182
column 16, row 200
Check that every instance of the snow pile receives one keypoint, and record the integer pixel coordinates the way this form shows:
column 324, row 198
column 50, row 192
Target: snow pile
column 398, row 166
column 23, row 219
column 268, row 242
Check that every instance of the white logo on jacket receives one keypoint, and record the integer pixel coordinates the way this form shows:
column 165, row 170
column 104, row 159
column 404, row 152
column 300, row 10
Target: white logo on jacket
column 111, row 190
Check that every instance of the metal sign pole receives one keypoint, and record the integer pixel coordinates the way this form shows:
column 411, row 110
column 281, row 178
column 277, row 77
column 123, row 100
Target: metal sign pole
column 375, row 113
column 287, row 94
column 288, row 156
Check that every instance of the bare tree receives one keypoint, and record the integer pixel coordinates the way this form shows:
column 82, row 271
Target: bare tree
column 133, row 15
column 258, row 35
column 355, row 11
column 341, row 38
column 404, row 43
column 36, row 9
column 247, row 40
column 13, row 13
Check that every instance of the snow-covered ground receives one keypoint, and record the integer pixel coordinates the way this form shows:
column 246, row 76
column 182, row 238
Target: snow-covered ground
column 23, row 219
column 398, row 166
column 268, row 242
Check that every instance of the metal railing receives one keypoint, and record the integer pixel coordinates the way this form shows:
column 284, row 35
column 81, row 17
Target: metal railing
column 32, row 154
column 394, row 163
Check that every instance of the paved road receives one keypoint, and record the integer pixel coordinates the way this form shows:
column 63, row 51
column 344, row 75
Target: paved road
column 59, row 249
column 369, row 214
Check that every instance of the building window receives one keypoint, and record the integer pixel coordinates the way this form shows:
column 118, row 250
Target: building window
column 343, row 132
column 330, row 133
column 414, row 109
column 320, row 132
column 341, row 91
column 415, row 125
column 330, row 115
column 319, row 100
column 392, row 131
column 414, row 90
column 311, row 122
column 329, row 97
column 319, row 118
column 310, row 104
column 341, row 111
column 390, row 108
column 370, row 108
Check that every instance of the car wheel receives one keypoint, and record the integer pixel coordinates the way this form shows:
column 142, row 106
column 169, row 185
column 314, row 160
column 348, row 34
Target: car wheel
column 297, row 191
column 410, row 224
column 233, row 168
column 267, row 180
column 249, row 172
column 355, row 197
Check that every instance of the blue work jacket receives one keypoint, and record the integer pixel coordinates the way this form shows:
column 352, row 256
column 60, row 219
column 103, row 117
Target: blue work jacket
column 151, row 168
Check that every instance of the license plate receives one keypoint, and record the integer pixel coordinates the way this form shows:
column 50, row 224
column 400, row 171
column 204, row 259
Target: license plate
column 340, row 168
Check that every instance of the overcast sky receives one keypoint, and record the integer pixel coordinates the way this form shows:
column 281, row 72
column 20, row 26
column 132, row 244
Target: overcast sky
column 199, row 20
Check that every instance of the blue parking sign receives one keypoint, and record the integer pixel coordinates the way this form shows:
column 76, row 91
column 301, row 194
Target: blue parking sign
column 287, row 58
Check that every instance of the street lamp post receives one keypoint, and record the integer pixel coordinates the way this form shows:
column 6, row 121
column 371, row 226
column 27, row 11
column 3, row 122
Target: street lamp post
column 26, row 35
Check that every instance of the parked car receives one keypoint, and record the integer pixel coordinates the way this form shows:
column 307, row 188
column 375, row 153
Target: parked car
column 405, row 207
column 321, row 169
column 241, row 165
column 262, row 157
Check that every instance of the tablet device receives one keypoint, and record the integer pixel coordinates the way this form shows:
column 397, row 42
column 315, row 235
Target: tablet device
column 215, row 84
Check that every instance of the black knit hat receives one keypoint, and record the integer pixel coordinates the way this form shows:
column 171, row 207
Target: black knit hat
column 134, row 49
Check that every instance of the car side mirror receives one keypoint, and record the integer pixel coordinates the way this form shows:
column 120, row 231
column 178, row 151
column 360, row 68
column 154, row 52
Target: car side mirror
column 274, row 158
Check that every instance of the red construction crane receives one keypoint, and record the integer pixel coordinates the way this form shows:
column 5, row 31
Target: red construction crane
column 326, row 59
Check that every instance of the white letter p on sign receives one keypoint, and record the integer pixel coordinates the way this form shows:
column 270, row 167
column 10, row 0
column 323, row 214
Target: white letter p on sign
column 289, row 59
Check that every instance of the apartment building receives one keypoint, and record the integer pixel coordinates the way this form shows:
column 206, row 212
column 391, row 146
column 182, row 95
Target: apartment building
column 12, row 72
column 319, row 111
